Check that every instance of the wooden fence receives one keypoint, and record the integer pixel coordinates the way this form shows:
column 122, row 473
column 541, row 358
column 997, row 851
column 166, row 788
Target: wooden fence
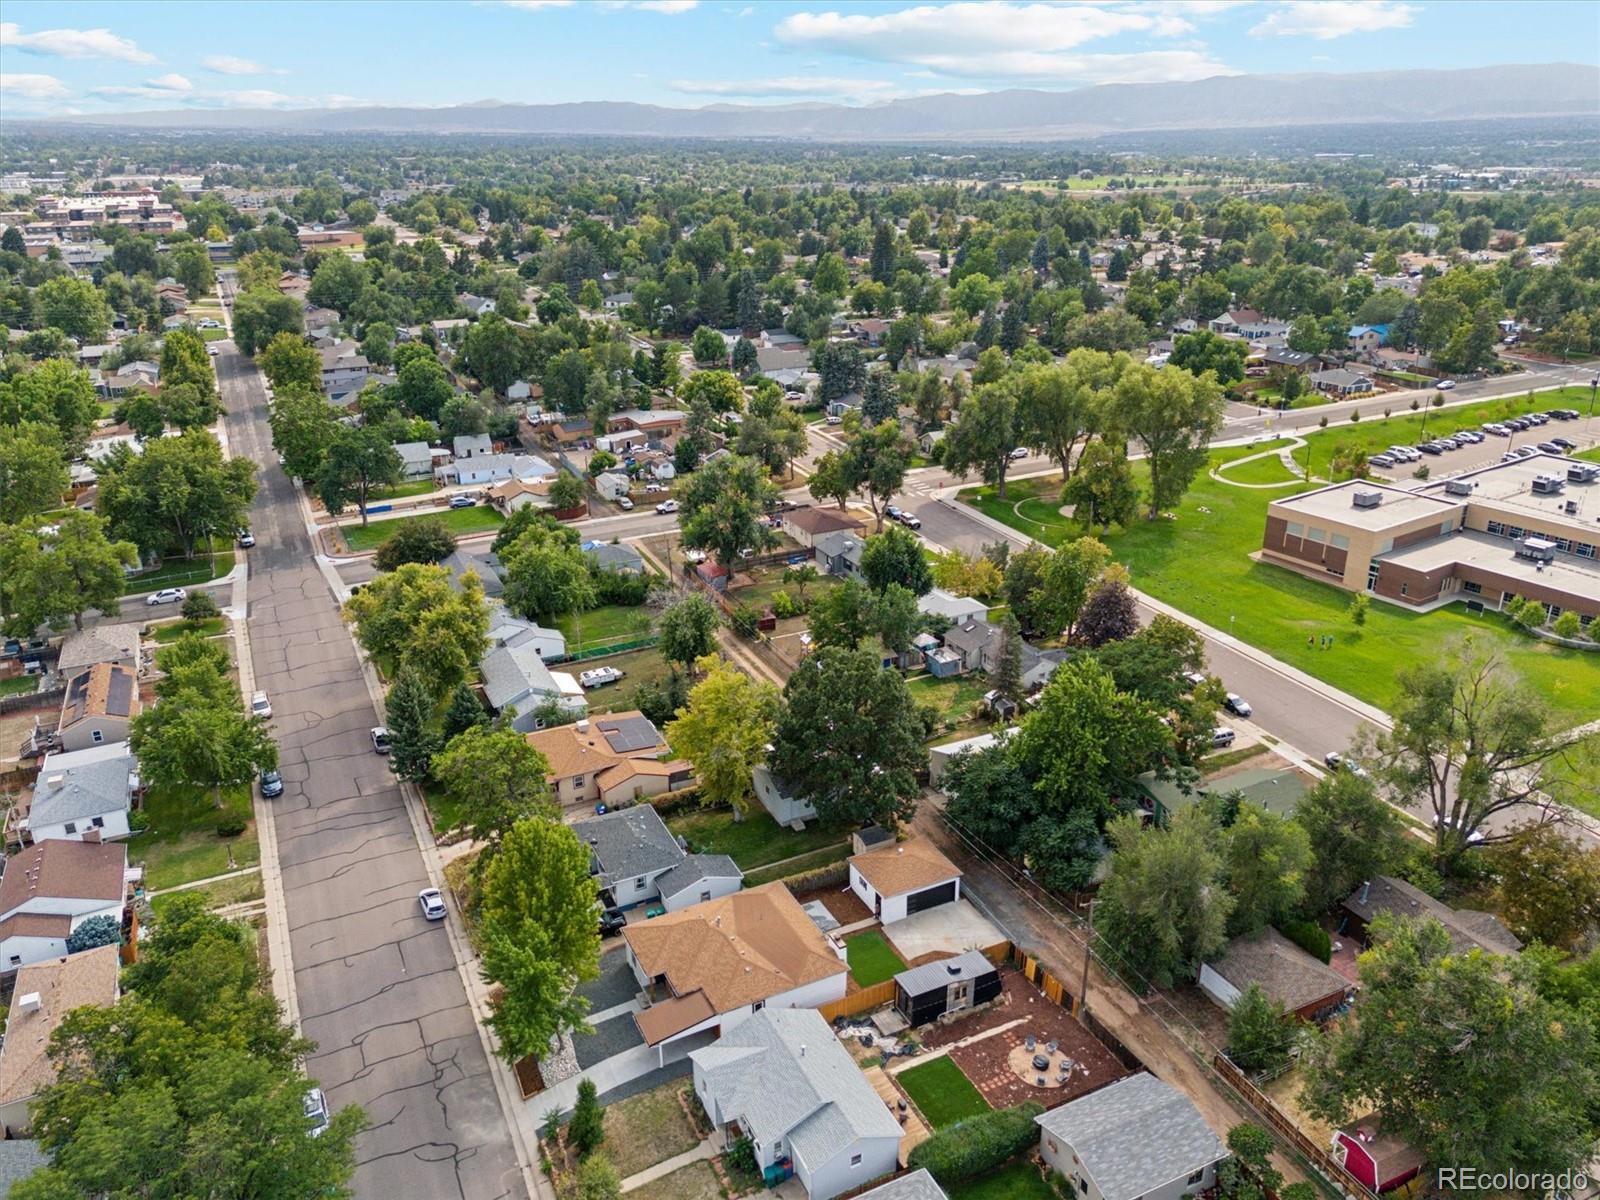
column 855, row 1003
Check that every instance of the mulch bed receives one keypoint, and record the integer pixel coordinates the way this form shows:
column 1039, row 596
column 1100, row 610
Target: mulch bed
column 840, row 901
column 985, row 1062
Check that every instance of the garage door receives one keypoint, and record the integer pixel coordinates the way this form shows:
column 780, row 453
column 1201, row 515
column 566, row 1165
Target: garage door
column 932, row 897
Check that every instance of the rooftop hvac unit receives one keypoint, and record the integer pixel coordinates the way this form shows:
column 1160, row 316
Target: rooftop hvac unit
column 1365, row 498
column 1547, row 485
column 1583, row 473
column 1570, row 508
column 1457, row 487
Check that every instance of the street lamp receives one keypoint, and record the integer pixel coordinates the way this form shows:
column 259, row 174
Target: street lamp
column 1594, row 386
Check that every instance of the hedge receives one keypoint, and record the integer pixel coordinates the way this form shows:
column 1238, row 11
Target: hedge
column 1310, row 937
column 818, row 877
column 978, row 1144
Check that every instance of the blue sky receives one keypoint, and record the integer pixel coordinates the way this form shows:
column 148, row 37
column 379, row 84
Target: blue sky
column 94, row 57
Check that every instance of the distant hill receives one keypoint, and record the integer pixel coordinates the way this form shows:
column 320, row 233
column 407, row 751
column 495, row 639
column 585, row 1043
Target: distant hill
column 1223, row 102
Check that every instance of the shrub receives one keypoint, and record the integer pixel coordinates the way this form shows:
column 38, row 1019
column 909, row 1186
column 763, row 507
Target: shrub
column 425, row 540
column 744, row 619
column 978, row 1144
column 818, row 877
column 1259, row 1031
column 1568, row 625
column 785, row 606
column 586, row 1130
column 96, row 931
column 232, row 827
column 199, row 607
column 615, row 587
column 1310, row 937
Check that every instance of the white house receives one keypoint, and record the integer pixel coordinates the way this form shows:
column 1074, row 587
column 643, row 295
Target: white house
column 99, row 706
column 954, row 608
column 1137, row 1139
column 940, row 757
column 83, row 790
column 416, row 458
column 709, row 967
column 516, row 676
column 611, row 485
column 51, row 888
column 495, row 468
column 897, row 879
column 778, row 798
column 508, row 629
column 46, row 992
column 783, row 1078
column 471, row 445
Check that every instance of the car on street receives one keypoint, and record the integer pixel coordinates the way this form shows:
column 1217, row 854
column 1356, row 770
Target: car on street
column 1019, row 452
column 315, row 1106
column 1476, row 837
column 625, row 504
column 260, row 706
column 167, row 596
column 599, row 677
column 1237, row 705
column 271, row 784
column 431, row 900
column 667, row 506
column 380, row 739
column 463, row 501
column 910, row 520
column 212, row 350
column 1445, row 385
column 612, row 921
column 1333, row 760
column 1430, row 448
column 1194, row 678
column 1222, row 737
column 893, row 512
column 246, row 538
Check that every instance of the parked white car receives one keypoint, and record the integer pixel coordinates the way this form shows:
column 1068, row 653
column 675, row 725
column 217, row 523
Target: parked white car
column 667, row 506
column 260, row 706
column 599, row 677
column 167, row 596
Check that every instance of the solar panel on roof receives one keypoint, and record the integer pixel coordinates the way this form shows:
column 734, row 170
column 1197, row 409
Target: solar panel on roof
column 119, row 695
column 630, row 734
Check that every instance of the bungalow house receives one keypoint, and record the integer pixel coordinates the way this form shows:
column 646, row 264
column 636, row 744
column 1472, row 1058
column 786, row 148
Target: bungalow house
column 90, row 356
column 1294, row 360
column 869, row 331
column 1262, row 330
column 615, row 558
column 510, row 495
column 1136, row 1139
column 416, row 459
column 100, row 704
column 471, row 445
column 1276, row 791
column 660, row 424
column 807, row 523
column 617, row 301
column 1306, row 987
column 637, row 860
column 1364, row 339
column 783, row 1080
column 516, row 677
column 1469, row 929
column 495, row 468
column 940, row 757
column 897, row 879
column 1341, row 382
column 1229, row 322
column 1379, row 1159
column 118, row 644
column 953, row 608
column 51, row 888
column 508, row 629
column 612, row 485
column 476, row 305
column 838, row 553
column 778, row 797
column 844, row 403
column 320, row 322
column 929, row 440
column 82, row 790
column 975, row 642
column 45, row 993
column 951, row 985
column 611, row 759
column 782, row 358
column 708, row 968
column 344, row 368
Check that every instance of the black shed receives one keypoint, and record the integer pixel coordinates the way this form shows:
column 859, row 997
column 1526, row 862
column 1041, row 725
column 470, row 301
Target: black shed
column 926, row 993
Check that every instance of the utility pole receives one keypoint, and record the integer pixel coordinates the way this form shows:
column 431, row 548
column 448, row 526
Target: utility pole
column 1088, row 953
column 1594, row 386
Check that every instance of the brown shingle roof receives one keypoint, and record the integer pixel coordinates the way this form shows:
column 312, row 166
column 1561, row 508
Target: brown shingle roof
column 735, row 949
column 104, row 690
column 908, row 866
column 30, row 924
column 573, row 751
column 819, row 520
column 64, row 869
column 1284, row 972
column 62, row 985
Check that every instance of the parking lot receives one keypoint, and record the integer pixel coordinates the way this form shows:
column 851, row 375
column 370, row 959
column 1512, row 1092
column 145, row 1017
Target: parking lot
column 1583, row 432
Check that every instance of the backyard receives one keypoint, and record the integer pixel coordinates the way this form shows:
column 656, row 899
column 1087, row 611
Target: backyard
column 753, row 842
column 1200, row 563
column 872, row 960
column 1020, row 1180
column 638, row 668
column 941, row 1092
column 460, row 521
column 181, row 843
column 599, row 626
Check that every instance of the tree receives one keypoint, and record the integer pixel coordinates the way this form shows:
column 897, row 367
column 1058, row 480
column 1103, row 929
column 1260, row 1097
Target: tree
column 688, row 629
column 1259, row 1031
column 967, row 575
column 840, row 370
column 744, row 358
column 1162, row 910
column 880, row 402
column 1058, row 407
column 356, row 462
column 176, row 493
column 1006, row 674
column 417, row 616
column 723, row 508
column 1461, row 1055
column 1174, row 415
column 989, row 796
column 539, row 935
column 409, row 711
column 831, row 277
column 876, row 462
column 883, row 254
column 1267, row 859
column 1469, row 739
column 983, row 435
column 597, row 1178
column 199, row 741
column 973, row 294
column 724, row 731
column 1013, row 327
column 547, row 575
column 895, row 556
column 96, row 931
column 56, row 394
column 199, row 607
column 492, row 352
column 337, row 283
column 261, row 314
column 303, row 424
column 1353, row 833
column 1205, row 351
column 1102, row 490
column 421, row 540
column 1108, row 615
column 74, row 306
column 831, row 479
column 464, row 712
column 289, row 359
column 1065, row 583
column 586, row 1129
column 497, row 779
column 423, row 387
column 565, row 492
column 849, row 737
column 1549, row 886
column 33, row 470
column 708, row 347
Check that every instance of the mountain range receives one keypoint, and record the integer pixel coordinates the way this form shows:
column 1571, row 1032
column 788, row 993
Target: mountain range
column 1221, row 102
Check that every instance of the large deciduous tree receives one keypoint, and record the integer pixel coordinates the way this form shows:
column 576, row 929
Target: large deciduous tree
column 177, row 493
column 1354, row 835
column 895, row 556
column 260, row 314
column 983, row 435
column 417, row 616
column 289, row 359
column 688, row 629
column 356, row 462
column 53, row 393
column 724, row 731
column 723, row 509
column 303, row 424
column 33, row 469
column 496, row 779
column 876, row 462
column 1266, row 858
column 1174, row 415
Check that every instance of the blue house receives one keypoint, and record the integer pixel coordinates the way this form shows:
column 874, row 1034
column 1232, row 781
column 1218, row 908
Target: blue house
column 1364, row 339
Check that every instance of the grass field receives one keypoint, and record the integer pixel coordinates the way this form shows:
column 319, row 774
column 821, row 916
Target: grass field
column 173, row 630
column 182, row 845
column 19, row 685
column 697, row 1181
column 648, row 1128
column 611, row 623
column 400, row 491
column 814, row 861
column 953, row 698
column 238, row 890
column 460, row 521
column 180, row 572
column 942, row 1092
column 1019, row 1181
column 1261, row 470
column 872, row 959
column 1200, row 563
column 1591, row 455
column 753, row 842
column 638, row 667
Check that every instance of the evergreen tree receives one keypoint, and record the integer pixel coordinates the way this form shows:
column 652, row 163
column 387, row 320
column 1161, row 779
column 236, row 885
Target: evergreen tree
column 465, row 711
column 1013, row 333
column 749, row 302
column 883, row 256
column 880, row 402
column 744, row 356
column 1039, row 259
column 587, row 1128
column 988, row 329
column 412, row 744
column 1006, row 675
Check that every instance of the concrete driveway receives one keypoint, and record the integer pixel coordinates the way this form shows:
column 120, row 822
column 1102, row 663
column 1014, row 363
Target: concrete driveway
column 948, row 929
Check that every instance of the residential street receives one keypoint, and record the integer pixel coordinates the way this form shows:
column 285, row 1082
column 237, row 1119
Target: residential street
column 378, row 987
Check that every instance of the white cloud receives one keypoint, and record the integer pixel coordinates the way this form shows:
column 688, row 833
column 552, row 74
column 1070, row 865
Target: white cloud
column 671, row 8
column 166, row 87
column 232, row 64
column 786, row 85
column 1328, row 19
column 172, row 83
column 73, row 43
column 33, row 87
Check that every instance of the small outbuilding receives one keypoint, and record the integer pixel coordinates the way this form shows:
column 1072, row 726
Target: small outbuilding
column 1379, row 1159
column 951, row 985
column 898, row 879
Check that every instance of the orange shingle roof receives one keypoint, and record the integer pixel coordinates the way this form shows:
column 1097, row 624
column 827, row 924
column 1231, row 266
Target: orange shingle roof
column 902, row 867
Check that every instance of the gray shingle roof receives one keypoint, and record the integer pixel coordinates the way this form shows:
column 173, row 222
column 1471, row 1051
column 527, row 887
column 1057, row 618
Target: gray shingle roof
column 629, row 843
column 1135, row 1135
column 85, row 783
column 19, row 1158
column 932, row 976
column 510, row 671
column 1282, row 970
column 971, row 635
column 100, row 643
column 1467, row 928
column 693, row 869
column 783, row 1073
column 918, row 1185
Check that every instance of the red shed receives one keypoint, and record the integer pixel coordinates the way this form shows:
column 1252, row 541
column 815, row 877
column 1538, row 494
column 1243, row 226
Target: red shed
column 1380, row 1160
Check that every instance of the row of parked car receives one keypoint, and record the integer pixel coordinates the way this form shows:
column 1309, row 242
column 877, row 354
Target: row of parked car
column 1398, row 455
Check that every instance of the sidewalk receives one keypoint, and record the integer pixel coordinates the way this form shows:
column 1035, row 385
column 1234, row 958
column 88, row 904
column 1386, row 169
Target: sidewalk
column 705, row 1150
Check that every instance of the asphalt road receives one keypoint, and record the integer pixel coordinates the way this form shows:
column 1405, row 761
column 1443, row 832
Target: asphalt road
column 377, row 986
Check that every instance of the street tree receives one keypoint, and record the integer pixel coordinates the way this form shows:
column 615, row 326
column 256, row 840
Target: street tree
column 496, row 779
column 831, row 479
column 724, row 507
column 688, row 629
column 983, row 435
column 289, row 359
column 418, row 616
column 195, row 740
column 421, row 540
column 177, row 494
column 303, row 425
column 260, row 314
column 1206, row 351
column 1102, row 490
column 895, row 556
column 355, row 463
column 876, row 462
column 408, row 711
column 1354, row 835
column 33, row 470
column 1174, row 415
column 1058, row 407
column 1065, row 583
column 724, row 730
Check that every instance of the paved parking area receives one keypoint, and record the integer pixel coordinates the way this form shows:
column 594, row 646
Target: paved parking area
column 948, row 929
column 615, row 985
column 609, row 1039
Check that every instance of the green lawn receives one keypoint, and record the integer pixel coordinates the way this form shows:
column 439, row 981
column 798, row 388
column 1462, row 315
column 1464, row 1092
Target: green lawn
column 953, row 698
column 181, row 843
column 753, row 842
column 445, row 814
column 213, row 335
column 171, row 631
column 180, row 572
column 239, row 890
column 1262, row 470
column 1200, row 563
column 611, row 623
column 460, row 521
column 814, row 861
column 942, row 1092
column 17, row 685
column 1592, row 454
column 1019, row 1181
column 872, row 959
column 648, row 1128
column 638, row 667
column 400, row 491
